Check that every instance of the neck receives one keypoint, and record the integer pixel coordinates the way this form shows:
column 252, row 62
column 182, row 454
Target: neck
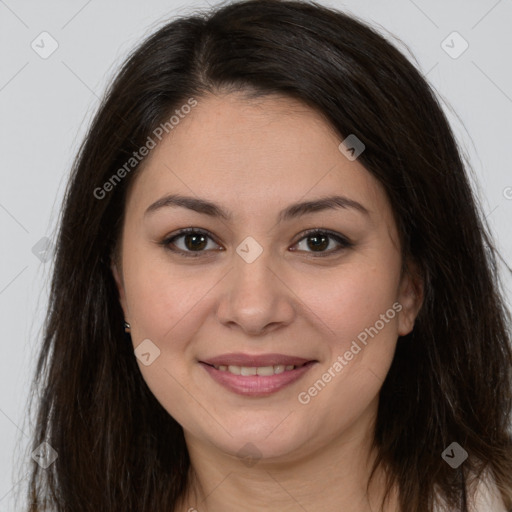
column 332, row 478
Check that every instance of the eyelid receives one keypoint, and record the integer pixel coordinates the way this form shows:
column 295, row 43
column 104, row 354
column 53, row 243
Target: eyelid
column 342, row 240
column 333, row 234
column 166, row 242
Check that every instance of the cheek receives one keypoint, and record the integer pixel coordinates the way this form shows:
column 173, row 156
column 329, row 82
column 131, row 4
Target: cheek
column 161, row 295
column 353, row 298
column 361, row 311
column 169, row 310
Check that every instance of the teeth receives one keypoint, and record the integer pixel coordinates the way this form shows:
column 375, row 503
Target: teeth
column 253, row 370
column 234, row 369
column 265, row 370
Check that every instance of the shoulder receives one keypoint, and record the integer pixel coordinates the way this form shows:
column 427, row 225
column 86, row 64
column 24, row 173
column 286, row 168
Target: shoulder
column 487, row 496
column 483, row 496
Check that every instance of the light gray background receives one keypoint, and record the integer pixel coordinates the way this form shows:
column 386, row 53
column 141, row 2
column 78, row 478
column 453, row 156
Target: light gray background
column 46, row 105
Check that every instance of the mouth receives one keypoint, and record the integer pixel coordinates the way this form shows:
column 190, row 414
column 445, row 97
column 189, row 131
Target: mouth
column 257, row 377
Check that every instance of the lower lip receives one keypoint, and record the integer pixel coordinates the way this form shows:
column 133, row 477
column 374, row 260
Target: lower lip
column 256, row 385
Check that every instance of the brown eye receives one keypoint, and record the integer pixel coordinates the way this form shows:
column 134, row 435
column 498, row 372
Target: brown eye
column 195, row 241
column 189, row 240
column 318, row 241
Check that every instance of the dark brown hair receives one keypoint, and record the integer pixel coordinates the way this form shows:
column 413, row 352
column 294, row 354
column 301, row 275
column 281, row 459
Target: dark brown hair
column 451, row 378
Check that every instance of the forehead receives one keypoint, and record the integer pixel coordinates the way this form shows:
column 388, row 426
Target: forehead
column 253, row 154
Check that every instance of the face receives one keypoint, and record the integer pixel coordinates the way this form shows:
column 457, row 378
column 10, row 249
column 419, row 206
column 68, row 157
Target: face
column 268, row 325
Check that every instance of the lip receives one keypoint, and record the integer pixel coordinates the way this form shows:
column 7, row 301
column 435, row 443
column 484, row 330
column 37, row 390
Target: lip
column 256, row 385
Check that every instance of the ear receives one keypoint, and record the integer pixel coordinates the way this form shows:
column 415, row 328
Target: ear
column 118, row 278
column 410, row 296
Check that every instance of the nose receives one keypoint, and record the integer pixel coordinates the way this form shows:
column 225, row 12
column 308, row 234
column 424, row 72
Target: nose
column 255, row 297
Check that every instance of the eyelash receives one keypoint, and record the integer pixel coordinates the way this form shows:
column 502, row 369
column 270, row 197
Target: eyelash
column 344, row 242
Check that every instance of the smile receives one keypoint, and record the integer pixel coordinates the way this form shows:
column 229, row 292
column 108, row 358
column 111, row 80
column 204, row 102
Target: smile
column 259, row 370
column 256, row 381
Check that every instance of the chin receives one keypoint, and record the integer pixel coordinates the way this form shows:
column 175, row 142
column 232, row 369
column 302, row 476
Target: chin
column 268, row 441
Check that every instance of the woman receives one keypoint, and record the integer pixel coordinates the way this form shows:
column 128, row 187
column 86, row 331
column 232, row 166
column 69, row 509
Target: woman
column 273, row 288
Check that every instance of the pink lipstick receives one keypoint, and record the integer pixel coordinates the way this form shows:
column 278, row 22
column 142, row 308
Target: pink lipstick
column 256, row 375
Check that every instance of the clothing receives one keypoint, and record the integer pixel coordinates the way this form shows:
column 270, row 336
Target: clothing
column 487, row 499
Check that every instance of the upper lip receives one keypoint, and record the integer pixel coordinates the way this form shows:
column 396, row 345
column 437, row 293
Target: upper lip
column 239, row 359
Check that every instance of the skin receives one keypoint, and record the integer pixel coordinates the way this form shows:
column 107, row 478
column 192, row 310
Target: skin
column 254, row 158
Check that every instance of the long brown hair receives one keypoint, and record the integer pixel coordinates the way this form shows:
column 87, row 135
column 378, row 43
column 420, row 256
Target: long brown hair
column 451, row 378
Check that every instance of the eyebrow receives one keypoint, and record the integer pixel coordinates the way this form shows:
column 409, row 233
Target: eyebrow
column 290, row 212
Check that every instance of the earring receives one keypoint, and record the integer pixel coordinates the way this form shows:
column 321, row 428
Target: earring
column 127, row 328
